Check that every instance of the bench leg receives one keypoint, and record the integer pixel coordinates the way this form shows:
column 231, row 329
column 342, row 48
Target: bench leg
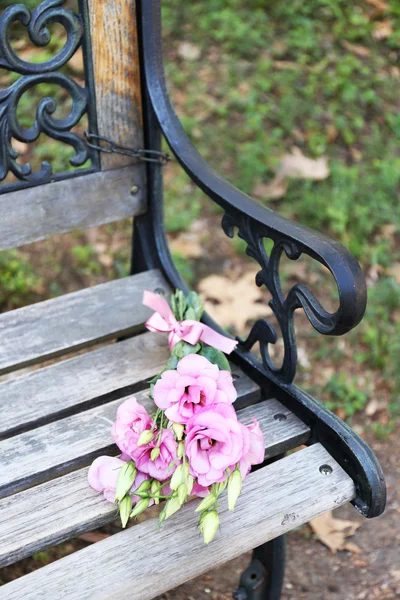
column 263, row 578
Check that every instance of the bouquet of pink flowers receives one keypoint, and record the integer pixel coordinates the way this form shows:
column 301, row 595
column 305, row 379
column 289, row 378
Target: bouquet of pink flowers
column 193, row 444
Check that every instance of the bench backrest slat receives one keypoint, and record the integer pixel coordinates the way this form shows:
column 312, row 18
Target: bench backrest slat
column 33, row 211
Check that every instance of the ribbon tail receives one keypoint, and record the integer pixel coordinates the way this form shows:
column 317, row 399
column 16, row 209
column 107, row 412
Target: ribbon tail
column 220, row 342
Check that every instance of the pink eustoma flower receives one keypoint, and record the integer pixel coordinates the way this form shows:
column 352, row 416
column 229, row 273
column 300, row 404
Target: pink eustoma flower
column 132, row 419
column 164, row 465
column 254, row 447
column 195, row 383
column 214, row 442
column 103, row 474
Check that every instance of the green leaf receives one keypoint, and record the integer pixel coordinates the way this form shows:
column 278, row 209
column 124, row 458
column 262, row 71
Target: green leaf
column 195, row 306
column 182, row 349
column 172, row 362
column 216, row 357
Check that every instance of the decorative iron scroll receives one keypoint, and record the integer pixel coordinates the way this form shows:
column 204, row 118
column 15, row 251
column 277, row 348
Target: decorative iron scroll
column 283, row 307
column 32, row 74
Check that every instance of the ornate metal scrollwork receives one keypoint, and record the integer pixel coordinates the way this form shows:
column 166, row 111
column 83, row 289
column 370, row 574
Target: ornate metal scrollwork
column 32, row 74
column 283, row 307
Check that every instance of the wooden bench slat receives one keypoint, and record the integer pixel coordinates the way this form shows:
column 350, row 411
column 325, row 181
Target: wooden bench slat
column 142, row 562
column 70, row 443
column 70, row 322
column 74, row 384
column 40, row 212
column 64, row 507
column 71, row 385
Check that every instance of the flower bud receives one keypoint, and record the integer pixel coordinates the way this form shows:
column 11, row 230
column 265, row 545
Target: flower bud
column 171, row 506
column 182, row 493
column 181, row 450
column 189, row 484
column 178, row 430
column 125, row 507
column 155, row 490
column 126, row 478
column 206, row 503
column 210, row 524
column 140, row 507
column 145, row 437
column 155, row 453
column 177, row 477
column 234, row 488
column 143, row 487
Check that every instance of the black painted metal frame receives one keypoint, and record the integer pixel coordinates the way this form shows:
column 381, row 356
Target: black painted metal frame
column 255, row 223
column 49, row 72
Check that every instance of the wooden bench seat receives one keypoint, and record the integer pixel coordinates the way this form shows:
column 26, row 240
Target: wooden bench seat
column 141, row 562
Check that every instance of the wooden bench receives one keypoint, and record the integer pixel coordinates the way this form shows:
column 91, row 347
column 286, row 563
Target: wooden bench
column 56, row 418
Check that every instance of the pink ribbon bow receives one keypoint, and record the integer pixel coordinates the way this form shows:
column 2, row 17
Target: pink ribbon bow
column 189, row 331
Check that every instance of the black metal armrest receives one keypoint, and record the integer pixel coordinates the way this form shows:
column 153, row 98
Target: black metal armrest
column 255, row 223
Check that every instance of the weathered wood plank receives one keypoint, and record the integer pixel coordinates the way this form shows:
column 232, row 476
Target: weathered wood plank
column 78, row 383
column 40, row 212
column 70, row 322
column 74, row 384
column 275, row 499
column 113, row 33
column 62, row 446
column 66, row 506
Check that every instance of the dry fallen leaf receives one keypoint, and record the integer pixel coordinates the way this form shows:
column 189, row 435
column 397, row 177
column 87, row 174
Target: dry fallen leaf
column 242, row 300
column 382, row 29
column 298, row 166
column 379, row 5
column 357, row 49
column 189, row 51
column 333, row 532
column 187, row 244
column 293, row 166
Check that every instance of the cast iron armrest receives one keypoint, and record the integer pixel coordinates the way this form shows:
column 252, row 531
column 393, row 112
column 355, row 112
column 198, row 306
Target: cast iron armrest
column 255, row 223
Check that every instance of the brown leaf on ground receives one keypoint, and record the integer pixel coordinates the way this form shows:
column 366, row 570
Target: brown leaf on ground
column 332, row 532
column 293, row 165
column 297, row 166
column 357, row 49
column 189, row 51
column 382, row 29
column 93, row 536
column 379, row 5
column 187, row 244
column 233, row 303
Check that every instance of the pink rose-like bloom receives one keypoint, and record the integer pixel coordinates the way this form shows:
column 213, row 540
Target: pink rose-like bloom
column 254, row 447
column 160, row 468
column 195, row 383
column 214, row 442
column 103, row 474
column 132, row 419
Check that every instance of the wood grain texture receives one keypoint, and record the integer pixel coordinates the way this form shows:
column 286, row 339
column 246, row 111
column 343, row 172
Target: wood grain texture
column 40, row 212
column 143, row 561
column 72, row 321
column 66, row 506
column 78, row 383
column 62, row 446
column 74, row 384
column 67, row 444
column 113, row 33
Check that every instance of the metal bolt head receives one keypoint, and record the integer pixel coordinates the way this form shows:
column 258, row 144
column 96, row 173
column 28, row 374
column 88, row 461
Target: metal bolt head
column 325, row 469
column 280, row 417
column 134, row 190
